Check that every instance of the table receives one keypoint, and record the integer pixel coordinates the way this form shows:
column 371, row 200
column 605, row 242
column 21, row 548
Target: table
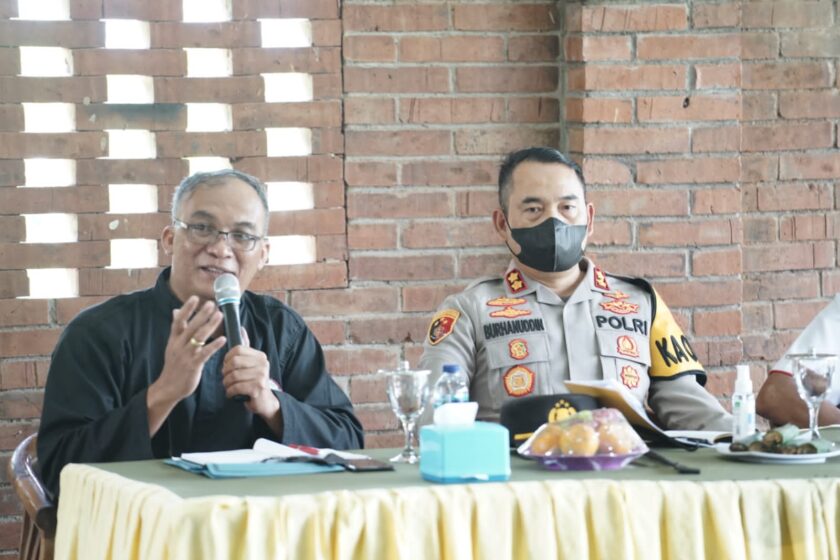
column 149, row 510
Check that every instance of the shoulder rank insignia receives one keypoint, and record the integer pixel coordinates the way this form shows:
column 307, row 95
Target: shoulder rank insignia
column 442, row 324
column 518, row 381
column 510, row 313
column 626, row 346
column 599, row 279
column 630, row 377
column 518, row 349
column 618, row 305
column 515, row 282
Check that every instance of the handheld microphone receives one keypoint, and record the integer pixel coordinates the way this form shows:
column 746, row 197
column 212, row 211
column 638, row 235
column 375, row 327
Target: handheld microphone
column 226, row 288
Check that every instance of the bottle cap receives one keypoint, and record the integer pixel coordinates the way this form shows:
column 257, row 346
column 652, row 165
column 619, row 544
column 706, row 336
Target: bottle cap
column 451, row 368
column 743, row 383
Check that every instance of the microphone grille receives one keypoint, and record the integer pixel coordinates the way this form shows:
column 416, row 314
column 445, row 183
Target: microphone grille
column 226, row 288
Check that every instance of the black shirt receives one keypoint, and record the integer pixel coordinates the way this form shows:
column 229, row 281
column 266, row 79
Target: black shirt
column 95, row 400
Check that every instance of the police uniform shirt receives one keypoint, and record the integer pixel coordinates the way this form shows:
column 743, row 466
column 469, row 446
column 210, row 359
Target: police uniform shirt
column 515, row 337
column 821, row 335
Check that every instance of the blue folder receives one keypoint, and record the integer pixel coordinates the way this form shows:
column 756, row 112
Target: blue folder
column 240, row 470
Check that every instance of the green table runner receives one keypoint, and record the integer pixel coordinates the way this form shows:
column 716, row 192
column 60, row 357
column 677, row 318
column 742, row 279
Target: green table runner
column 713, row 467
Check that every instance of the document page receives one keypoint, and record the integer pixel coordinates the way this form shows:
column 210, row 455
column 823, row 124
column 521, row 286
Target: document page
column 263, row 449
column 611, row 393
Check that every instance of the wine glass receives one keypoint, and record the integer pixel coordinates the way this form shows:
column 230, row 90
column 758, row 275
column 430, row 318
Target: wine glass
column 408, row 392
column 812, row 373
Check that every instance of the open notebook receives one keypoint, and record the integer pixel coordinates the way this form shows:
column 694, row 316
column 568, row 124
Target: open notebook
column 266, row 458
column 610, row 393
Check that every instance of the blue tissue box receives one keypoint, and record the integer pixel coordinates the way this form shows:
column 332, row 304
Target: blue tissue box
column 475, row 453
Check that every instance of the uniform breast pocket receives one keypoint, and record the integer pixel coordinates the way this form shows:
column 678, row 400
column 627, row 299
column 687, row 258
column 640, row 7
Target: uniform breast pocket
column 518, row 366
column 625, row 357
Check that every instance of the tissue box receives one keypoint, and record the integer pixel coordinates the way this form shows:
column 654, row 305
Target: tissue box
column 475, row 452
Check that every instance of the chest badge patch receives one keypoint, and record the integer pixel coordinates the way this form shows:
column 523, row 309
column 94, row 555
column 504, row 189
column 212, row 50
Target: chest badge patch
column 510, row 313
column 515, row 282
column 599, row 279
column 506, row 301
column 630, row 377
column 519, row 381
column 617, row 304
column 518, row 349
column 626, row 346
column 442, row 324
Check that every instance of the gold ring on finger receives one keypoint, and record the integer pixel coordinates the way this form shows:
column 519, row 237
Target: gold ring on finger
column 196, row 343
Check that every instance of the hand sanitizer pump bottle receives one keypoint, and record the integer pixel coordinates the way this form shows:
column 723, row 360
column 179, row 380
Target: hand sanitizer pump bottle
column 743, row 406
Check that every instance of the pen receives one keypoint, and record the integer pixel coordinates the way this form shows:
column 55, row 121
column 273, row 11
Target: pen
column 305, row 448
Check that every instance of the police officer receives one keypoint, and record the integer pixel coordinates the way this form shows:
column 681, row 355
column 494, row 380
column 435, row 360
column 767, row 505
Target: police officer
column 555, row 316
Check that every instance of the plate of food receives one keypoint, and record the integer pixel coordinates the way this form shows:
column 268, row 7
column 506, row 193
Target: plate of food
column 775, row 458
column 784, row 445
column 592, row 440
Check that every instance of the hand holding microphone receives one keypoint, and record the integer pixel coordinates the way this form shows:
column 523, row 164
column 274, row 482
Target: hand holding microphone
column 226, row 288
column 245, row 370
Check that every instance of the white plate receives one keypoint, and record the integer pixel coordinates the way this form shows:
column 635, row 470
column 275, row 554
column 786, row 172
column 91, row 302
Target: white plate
column 775, row 458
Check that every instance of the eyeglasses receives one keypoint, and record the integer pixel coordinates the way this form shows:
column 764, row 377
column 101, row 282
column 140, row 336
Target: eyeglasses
column 204, row 234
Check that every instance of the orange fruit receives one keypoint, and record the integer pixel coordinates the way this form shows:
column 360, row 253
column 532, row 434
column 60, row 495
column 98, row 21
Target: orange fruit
column 616, row 438
column 545, row 442
column 579, row 440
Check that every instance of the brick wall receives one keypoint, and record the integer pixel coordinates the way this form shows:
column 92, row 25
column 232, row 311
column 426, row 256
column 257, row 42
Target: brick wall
column 790, row 167
column 654, row 108
column 708, row 133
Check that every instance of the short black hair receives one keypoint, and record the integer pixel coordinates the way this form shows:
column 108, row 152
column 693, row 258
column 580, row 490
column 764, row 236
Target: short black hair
column 212, row 178
column 540, row 154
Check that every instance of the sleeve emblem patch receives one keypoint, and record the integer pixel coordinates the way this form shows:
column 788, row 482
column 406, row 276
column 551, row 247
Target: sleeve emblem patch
column 519, row 381
column 518, row 349
column 442, row 325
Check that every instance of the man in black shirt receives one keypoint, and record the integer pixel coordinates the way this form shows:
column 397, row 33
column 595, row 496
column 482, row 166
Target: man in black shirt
column 147, row 374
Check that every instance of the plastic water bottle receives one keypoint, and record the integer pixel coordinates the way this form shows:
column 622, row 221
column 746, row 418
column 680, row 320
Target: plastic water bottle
column 451, row 386
column 743, row 406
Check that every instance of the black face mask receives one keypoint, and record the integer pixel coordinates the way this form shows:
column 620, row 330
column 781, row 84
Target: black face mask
column 551, row 246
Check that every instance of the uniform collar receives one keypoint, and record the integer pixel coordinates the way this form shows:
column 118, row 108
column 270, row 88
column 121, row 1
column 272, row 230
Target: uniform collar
column 165, row 299
column 518, row 284
column 594, row 283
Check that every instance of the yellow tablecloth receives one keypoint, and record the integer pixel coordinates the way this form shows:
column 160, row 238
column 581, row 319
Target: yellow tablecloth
column 104, row 515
